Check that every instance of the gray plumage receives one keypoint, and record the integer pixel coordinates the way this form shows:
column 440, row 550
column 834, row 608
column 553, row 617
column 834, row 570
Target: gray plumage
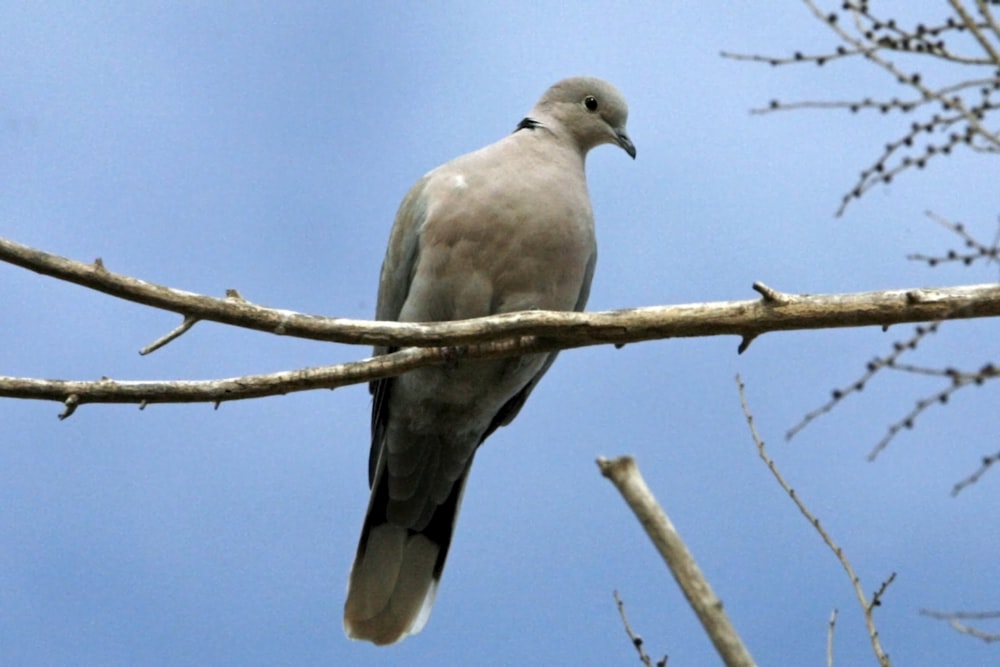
column 508, row 227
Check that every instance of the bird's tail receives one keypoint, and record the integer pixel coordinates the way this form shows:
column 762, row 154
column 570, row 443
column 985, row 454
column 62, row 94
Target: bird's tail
column 397, row 569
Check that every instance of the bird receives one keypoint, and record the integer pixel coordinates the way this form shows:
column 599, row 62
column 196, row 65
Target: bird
column 506, row 228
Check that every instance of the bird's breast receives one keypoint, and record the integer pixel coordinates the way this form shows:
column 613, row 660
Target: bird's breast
column 500, row 241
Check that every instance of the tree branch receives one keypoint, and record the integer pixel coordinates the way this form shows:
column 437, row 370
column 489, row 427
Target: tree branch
column 74, row 393
column 509, row 334
column 955, row 619
column 625, row 475
column 775, row 312
column 636, row 640
column 959, row 112
column 867, row 607
column 830, row 626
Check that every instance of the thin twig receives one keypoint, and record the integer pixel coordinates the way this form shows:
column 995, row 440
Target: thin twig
column 952, row 115
column 871, row 369
column 831, row 624
column 182, row 328
column 979, row 250
column 636, row 639
column 958, row 381
column 987, row 463
column 955, row 619
column 867, row 606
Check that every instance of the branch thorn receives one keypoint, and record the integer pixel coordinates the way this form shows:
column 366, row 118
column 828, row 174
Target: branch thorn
column 71, row 402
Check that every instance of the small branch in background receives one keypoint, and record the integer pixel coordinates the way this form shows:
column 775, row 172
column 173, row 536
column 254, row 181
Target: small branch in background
column 958, row 379
column 867, row 606
column 955, row 620
column 831, row 624
column 876, row 600
column 636, row 639
column 956, row 113
column 899, row 348
column 955, row 379
column 974, row 249
column 987, row 462
column 624, row 474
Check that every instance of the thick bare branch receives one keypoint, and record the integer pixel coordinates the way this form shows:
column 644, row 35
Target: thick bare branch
column 775, row 312
column 501, row 335
column 233, row 309
column 625, row 475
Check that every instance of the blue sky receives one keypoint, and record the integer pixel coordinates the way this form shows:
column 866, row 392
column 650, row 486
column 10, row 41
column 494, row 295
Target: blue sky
column 208, row 146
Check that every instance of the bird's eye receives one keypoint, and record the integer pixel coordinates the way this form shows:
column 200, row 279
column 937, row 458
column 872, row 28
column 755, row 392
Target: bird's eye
column 590, row 102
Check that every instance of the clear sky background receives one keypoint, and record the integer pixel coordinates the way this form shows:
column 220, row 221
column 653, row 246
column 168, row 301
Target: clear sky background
column 265, row 147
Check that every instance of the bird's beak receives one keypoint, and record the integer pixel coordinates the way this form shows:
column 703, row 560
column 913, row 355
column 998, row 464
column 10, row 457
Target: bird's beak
column 625, row 143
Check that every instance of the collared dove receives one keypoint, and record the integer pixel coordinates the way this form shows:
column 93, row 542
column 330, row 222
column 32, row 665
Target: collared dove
column 508, row 227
